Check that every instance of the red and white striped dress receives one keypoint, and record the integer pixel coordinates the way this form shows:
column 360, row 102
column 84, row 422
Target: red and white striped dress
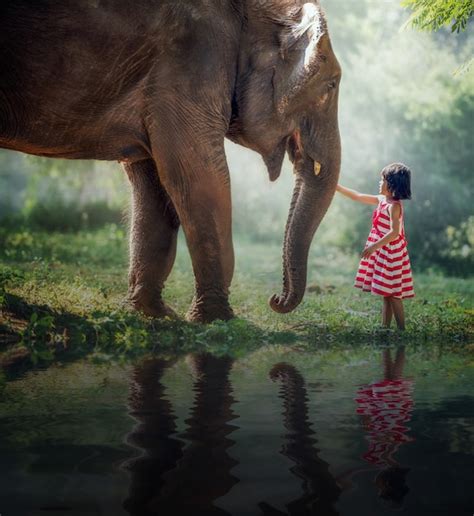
column 385, row 406
column 387, row 271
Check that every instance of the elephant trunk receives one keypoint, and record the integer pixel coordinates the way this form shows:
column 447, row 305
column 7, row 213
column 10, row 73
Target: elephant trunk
column 314, row 189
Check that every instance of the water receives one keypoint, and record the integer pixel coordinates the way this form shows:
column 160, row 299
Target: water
column 281, row 431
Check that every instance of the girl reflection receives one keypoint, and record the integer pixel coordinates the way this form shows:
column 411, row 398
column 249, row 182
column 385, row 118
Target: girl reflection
column 385, row 407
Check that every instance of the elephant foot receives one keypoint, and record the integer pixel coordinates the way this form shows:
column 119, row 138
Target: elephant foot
column 149, row 302
column 208, row 308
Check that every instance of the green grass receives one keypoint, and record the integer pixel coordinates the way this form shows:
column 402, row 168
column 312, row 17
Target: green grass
column 65, row 291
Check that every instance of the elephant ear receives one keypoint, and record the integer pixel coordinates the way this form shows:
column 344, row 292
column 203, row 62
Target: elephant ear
column 301, row 51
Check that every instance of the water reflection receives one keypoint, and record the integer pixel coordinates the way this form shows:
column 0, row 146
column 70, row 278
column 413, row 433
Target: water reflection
column 385, row 407
column 191, row 472
column 320, row 490
column 152, row 435
column 172, row 479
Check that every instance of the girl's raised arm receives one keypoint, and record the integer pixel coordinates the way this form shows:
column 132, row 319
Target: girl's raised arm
column 357, row 196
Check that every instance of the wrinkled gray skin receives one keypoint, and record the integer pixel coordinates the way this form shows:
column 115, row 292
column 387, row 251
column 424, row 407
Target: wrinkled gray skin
column 158, row 85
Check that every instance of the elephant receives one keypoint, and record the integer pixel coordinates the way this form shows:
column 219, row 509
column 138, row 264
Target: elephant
column 158, row 85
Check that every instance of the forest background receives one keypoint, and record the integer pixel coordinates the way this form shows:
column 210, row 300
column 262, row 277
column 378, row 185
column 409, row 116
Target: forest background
column 405, row 96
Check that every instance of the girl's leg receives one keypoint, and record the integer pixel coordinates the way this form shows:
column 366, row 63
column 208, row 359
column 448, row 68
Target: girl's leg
column 387, row 312
column 399, row 362
column 387, row 364
column 397, row 308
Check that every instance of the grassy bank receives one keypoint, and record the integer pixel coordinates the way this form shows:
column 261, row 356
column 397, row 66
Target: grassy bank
column 64, row 291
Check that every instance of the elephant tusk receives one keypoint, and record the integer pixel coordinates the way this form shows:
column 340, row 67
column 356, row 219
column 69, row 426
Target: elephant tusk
column 317, row 168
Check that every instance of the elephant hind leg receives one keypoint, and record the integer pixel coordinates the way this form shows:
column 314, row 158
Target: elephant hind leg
column 153, row 236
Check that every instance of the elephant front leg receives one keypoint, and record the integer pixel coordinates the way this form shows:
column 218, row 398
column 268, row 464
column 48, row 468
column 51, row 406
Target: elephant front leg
column 153, row 235
column 199, row 185
column 207, row 224
column 210, row 244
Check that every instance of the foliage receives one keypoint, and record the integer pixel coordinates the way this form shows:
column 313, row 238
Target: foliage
column 74, row 304
column 60, row 216
column 433, row 14
column 13, row 181
column 460, row 249
column 420, row 114
column 105, row 246
column 36, row 337
column 64, row 195
column 398, row 102
column 7, row 276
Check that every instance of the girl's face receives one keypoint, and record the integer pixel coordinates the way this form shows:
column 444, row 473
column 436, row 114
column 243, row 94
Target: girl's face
column 383, row 189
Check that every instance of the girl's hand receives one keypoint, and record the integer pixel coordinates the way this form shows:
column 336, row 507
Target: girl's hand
column 367, row 252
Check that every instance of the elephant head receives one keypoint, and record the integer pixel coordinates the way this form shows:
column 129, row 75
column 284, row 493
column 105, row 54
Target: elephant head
column 286, row 99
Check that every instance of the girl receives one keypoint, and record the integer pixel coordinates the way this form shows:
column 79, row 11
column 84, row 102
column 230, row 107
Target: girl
column 385, row 266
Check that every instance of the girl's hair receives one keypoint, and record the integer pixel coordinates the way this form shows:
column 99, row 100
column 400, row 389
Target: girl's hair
column 398, row 177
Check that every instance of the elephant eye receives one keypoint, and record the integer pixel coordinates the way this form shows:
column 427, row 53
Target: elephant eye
column 332, row 84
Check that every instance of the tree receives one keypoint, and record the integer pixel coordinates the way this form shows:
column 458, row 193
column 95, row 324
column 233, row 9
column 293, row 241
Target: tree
column 431, row 15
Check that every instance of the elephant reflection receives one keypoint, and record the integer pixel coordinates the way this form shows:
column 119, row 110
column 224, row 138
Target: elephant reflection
column 169, row 478
column 320, row 488
column 172, row 477
column 152, row 434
